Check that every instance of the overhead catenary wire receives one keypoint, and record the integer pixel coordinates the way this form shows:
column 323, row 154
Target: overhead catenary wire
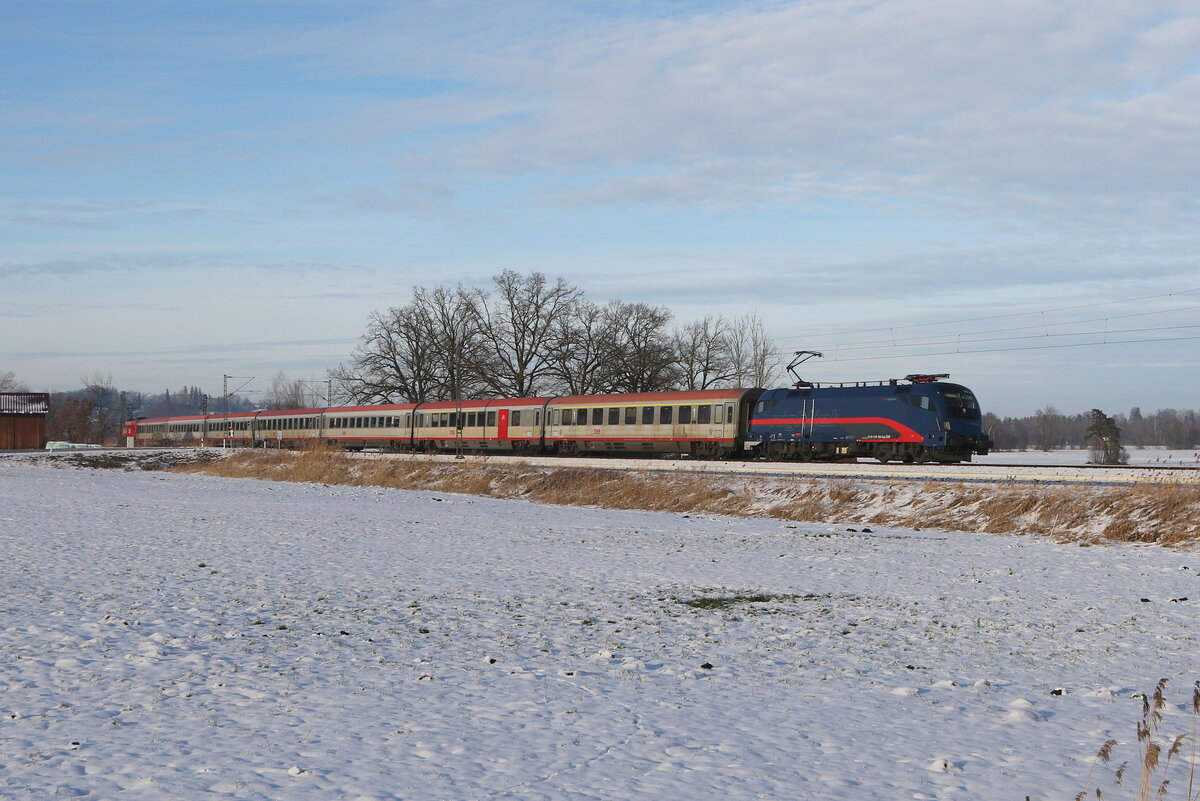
column 836, row 358
column 960, row 339
column 981, row 318
column 1042, row 326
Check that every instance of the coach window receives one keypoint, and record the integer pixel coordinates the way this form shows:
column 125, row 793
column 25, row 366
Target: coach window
column 729, row 413
column 647, row 415
column 597, row 417
column 491, row 418
column 630, row 415
column 514, row 419
column 568, row 417
column 614, row 416
column 704, row 414
column 685, row 415
column 664, row 415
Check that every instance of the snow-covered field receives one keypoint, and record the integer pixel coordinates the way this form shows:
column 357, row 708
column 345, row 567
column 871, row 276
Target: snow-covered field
column 1141, row 457
column 187, row 637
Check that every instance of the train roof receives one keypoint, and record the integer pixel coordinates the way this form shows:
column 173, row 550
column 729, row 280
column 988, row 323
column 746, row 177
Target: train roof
column 698, row 395
column 449, row 406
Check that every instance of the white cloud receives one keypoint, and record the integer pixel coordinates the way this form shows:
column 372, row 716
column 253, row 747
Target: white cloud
column 1072, row 103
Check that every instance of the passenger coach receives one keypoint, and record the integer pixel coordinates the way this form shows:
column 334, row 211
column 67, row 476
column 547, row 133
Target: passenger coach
column 703, row 423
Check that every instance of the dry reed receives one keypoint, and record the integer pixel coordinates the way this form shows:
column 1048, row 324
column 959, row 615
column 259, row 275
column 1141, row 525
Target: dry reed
column 1165, row 514
column 1156, row 752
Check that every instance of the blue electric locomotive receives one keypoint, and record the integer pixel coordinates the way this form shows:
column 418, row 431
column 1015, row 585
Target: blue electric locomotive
column 924, row 419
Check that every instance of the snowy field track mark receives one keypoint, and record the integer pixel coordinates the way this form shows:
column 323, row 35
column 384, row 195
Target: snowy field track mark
column 180, row 636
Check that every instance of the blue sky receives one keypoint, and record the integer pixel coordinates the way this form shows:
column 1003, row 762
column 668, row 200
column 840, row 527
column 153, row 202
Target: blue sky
column 195, row 189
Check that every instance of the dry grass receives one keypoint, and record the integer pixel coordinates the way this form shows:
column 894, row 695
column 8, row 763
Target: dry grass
column 1155, row 753
column 1162, row 514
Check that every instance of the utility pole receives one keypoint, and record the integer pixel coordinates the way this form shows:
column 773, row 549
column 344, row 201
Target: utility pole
column 328, row 399
column 225, row 391
column 121, row 418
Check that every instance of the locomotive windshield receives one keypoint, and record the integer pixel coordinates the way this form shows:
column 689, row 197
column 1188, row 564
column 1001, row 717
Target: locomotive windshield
column 961, row 402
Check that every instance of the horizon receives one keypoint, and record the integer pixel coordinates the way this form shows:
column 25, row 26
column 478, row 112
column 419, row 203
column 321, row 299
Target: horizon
column 1005, row 194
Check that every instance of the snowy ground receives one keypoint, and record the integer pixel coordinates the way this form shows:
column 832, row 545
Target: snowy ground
column 186, row 637
column 1150, row 457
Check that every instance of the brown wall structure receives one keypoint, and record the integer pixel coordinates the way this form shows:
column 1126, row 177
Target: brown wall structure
column 23, row 420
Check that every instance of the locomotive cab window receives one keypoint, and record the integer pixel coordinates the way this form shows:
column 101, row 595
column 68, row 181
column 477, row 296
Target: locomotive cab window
column 961, row 403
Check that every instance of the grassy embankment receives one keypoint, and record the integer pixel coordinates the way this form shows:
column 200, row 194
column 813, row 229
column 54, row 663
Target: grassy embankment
column 1162, row 514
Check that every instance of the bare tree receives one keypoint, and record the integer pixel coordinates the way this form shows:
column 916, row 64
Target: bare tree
column 9, row 383
column 418, row 352
column 753, row 356
column 100, row 398
column 454, row 331
column 286, row 393
column 70, row 418
column 1049, row 429
column 581, row 356
column 704, row 355
column 518, row 328
column 395, row 361
column 643, row 357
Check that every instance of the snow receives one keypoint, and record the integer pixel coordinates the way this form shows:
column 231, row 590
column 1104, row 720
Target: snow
column 1141, row 457
column 187, row 637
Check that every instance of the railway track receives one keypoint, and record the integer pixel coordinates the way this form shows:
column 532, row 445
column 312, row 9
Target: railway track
column 1028, row 474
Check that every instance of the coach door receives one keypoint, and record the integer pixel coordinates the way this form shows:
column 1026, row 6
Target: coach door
column 502, row 424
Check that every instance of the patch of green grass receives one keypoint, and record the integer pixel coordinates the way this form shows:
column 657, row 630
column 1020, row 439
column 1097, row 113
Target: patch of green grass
column 726, row 601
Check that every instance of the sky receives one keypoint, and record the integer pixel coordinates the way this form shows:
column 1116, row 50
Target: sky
column 1003, row 192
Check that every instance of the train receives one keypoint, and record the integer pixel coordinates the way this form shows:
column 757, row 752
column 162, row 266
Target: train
column 920, row 418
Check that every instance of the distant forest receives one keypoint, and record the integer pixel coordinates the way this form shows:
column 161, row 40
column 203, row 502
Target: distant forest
column 1050, row 429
